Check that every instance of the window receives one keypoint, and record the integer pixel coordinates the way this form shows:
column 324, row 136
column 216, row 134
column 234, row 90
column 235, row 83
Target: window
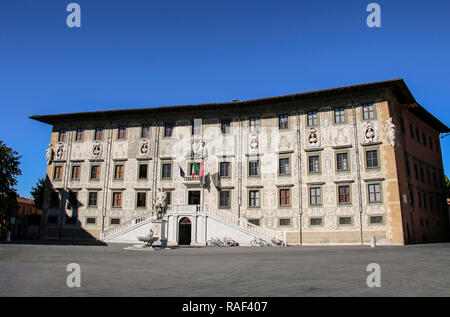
column 314, row 164
column 284, row 221
column 167, row 171
column 76, row 172
column 283, row 121
column 145, row 131
column 72, row 200
column 224, row 169
column 254, row 221
column 253, row 198
column 54, row 200
column 342, row 161
column 254, row 124
column 91, row 221
column 285, row 197
column 339, row 115
column 253, row 168
column 79, row 134
column 225, row 126
column 430, row 142
column 122, row 134
column 344, row 194
column 312, row 118
column 421, row 174
column 411, row 130
column 408, row 170
column 375, row 220
column 92, row 202
column 197, row 127
column 142, row 171
column 424, row 139
column 372, row 159
column 224, row 199
column 315, row 221
column 417, row 135
column 168, row 198
column 194, row 168
column 98, row 134
column 114, row 221
column 117, row 199
column 52, row 220
column 119, row 171
column 57, row 174
column 411, row 197
column 368, row 112
column 284, row 168
column 419, row 194
column 168, row 130
column 345, row 220
column 95, row 172
column 314, row 196
column 141, row 200
column 402, row 125
column 62, row 135
column 374, row 193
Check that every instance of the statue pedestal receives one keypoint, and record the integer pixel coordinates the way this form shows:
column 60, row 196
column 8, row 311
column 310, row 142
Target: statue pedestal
column 159, row 233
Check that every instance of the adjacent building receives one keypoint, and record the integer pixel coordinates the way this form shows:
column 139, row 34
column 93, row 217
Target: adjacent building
column 334, row 166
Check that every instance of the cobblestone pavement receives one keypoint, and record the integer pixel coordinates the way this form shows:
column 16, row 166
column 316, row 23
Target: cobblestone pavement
column 40, row 270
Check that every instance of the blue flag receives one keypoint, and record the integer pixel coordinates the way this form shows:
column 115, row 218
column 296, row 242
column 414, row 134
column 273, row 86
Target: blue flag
column 181, row 171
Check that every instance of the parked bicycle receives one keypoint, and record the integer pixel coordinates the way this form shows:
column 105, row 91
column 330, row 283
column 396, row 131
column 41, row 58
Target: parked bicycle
column 214, row 242
column 230, row 242
column 277, row 242
column 258, row 242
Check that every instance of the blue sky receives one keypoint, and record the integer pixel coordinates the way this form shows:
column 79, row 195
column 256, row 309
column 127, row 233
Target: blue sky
column 152, row 53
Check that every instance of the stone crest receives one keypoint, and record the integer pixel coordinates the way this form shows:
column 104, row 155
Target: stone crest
column 97, row 150
column 254, row 143
column 312, row 138
column 370, row 132
column 144, row 148
column 198, row 147
column 59, row 151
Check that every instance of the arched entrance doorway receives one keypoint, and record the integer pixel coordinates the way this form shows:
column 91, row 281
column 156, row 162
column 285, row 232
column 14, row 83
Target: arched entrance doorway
column 184, row 231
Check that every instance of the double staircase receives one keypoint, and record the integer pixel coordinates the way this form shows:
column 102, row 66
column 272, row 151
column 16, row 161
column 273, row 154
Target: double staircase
column 224, row 216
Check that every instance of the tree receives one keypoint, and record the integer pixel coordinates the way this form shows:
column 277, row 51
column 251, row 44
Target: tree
column 9, row 170
column 38, row 193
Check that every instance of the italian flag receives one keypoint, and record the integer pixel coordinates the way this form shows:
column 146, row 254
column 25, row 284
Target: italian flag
column 194, row 169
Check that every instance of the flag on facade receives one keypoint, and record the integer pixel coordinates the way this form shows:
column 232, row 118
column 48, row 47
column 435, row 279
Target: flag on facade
column 194, row 169
column 202, row 170
column 181, row 171
column 215, row 179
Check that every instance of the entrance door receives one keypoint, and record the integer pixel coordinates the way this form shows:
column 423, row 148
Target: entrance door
column 194, row 197
column 184, row 231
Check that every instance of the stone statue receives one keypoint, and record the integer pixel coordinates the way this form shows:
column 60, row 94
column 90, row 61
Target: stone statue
column 59, row 151
column 390, row 132
column 97, row 150
column 49, row 154
column 160, row 204
column 370, row 132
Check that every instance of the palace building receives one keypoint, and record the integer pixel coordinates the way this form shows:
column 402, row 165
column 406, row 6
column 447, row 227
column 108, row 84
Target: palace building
column 327, row 167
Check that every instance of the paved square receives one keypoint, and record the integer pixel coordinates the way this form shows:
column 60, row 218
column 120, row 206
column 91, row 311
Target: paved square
column 40, row 270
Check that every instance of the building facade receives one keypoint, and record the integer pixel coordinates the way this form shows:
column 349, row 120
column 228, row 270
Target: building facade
column 335, row 166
